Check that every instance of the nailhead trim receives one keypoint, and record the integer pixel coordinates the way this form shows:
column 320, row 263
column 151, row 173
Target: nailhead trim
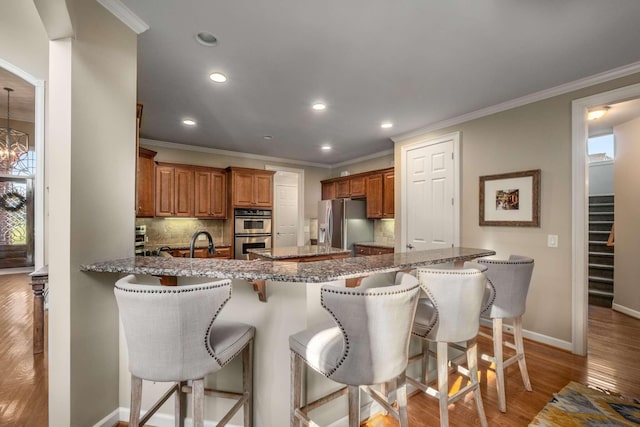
column 342, row 330
column 177, row 290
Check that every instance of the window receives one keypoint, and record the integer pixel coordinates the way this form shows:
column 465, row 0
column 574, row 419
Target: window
column 601, row 148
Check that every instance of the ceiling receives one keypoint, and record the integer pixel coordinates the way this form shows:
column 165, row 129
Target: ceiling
column 414, row 63
column 618, row 113
column 22, row 99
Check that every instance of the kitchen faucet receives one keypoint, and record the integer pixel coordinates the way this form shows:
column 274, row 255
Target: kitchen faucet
column 212, row 247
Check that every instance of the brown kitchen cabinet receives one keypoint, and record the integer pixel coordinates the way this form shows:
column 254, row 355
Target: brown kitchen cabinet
column 210, row 193
column 388, row 194
column 366, row 250
column 250, row 188
column 380, row 194
column 357, row 186
column 328, row 190
column 145, row 183
column 174, row 190
column 222, row 253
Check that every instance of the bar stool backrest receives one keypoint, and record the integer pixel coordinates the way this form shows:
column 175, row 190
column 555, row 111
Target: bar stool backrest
column 511, row 279
column 376, row 326
column 167, row 327
column 457, row 297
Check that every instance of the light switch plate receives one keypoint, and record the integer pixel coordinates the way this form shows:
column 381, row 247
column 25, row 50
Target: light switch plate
column 202, row 237
column 552, row 240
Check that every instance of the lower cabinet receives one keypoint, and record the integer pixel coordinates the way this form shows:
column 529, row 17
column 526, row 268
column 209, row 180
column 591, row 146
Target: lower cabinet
column 366, row 250
column 203, row 253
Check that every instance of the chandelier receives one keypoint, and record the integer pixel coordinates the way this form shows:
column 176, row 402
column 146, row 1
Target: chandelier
column 14, row 146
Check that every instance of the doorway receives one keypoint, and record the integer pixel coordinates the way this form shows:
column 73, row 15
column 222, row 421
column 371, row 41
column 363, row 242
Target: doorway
column 431, row 193
column 580, row 108
column 288, row 206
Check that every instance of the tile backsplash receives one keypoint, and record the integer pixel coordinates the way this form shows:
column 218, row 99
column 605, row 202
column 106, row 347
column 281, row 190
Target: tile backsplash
column 384, row 231
column 169, row 232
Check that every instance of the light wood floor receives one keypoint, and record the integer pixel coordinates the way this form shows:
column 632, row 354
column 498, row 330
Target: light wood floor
column 612, row 364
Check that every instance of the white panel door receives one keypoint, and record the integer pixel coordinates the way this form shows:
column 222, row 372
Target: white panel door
column 430, row 193
column 286, row 209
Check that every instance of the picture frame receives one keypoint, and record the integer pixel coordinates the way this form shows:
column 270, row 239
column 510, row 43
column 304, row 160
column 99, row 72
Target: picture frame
column 510, row 199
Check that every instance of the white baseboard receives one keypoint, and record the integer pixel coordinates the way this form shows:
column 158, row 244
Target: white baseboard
column 626, row 310
column 534, row 336
column 157, row 420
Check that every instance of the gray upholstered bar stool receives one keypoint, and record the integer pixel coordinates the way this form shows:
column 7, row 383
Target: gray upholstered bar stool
column 367, row 343
column 173, row 335
column 450, row 314
column 510, row 280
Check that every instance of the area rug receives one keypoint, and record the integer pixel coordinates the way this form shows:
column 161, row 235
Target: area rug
column 578, row 405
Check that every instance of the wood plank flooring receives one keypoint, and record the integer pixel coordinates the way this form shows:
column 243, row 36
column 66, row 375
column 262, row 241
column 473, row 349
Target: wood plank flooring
column 23, row 375
column 612, row 364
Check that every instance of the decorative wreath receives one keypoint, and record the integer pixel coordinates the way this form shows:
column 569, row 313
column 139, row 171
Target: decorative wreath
column 12, row 201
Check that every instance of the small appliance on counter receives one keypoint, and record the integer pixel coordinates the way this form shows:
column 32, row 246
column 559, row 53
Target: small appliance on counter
column 141, row 239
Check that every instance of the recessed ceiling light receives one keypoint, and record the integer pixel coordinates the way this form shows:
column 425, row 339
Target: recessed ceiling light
column 319, row 106
column 189, row 122
column 218, row 77
column 267, row 137
column 205, row 38
column 386, row 125
column 326, row 147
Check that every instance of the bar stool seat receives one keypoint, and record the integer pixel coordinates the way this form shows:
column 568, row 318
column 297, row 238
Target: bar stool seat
column 366, row 344
column 173, row 335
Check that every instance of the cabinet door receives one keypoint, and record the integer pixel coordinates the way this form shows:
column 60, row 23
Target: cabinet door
column 165, row 191
column 374, row 196
column 184, row 192
column 343, row 188
column 357, row 186
column 361, row 250
column 388, row 195
column 328, row 190
column 145, row 181
column 263, row 189
column 202, row 201
column 242, row 189
column 218, row 195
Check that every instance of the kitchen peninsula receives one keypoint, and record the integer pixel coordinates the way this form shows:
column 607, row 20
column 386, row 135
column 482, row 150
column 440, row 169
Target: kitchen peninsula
column 309, row 253
column 293, row 305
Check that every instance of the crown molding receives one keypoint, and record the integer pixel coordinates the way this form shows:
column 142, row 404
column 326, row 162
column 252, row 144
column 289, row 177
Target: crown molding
column 185, row 147
column 124, row 14
column 595, row 79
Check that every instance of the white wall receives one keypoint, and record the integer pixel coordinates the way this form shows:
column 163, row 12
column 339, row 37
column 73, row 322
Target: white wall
column 601, row 178
column 627, row 211
column 91, row 144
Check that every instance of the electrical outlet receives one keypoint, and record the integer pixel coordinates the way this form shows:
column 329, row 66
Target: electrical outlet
column 202, row 237
column 552, row 240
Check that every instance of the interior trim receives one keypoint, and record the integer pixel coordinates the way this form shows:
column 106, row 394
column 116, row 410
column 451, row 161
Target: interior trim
column 126, row 15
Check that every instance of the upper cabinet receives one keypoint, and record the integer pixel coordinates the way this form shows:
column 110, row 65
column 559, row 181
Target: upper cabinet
column 376, row 186
column 145, row 183
column 210, row 193
column 174, row 190
column 250, row 188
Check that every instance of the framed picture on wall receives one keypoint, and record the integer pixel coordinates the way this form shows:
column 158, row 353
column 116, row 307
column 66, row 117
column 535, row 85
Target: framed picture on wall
column 510, row 199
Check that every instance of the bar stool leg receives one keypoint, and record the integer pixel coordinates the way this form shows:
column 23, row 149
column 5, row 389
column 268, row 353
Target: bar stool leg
column 517, row 336
column 401, row 396
column 499, row 363
column 198, row 403
column 296, row 388
column 247, row 383
column 180, row 405
column 136, row 401
column 472, row 361
column 354, row 406
column 443, row 382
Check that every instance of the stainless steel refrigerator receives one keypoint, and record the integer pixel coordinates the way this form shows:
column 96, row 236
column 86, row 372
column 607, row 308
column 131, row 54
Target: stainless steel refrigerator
column 343, row 222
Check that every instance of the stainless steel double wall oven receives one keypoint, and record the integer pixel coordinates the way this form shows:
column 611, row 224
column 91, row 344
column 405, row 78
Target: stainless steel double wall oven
column 252, row 230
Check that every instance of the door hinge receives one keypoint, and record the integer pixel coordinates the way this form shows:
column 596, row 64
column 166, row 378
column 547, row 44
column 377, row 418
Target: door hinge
column 451, row 156
column 452, row 203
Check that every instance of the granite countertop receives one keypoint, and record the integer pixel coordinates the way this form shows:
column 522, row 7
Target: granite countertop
column 307, row 272
column 376, row 244
column 298, row 252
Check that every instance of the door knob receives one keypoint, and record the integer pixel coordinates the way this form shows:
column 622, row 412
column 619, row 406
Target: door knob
column 410, row 246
